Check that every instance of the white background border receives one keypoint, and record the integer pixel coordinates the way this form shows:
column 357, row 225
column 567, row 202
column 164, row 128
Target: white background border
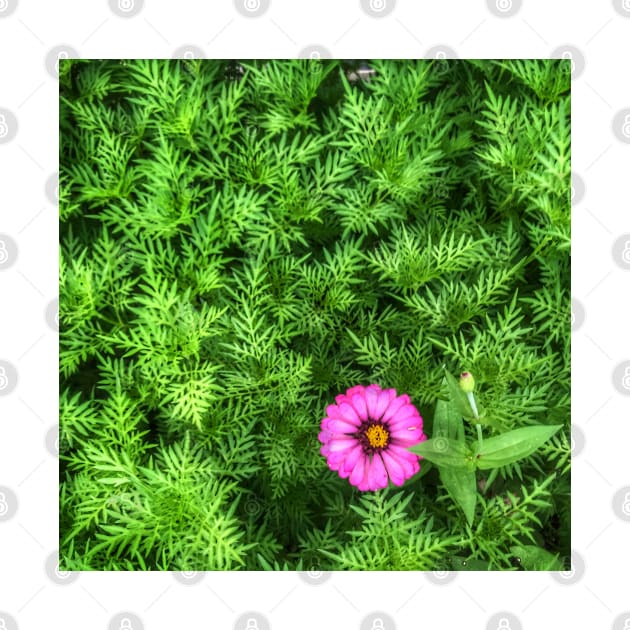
column 599, row 35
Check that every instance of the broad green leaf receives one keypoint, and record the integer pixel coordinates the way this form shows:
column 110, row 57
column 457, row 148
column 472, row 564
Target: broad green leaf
column 462, row 486
column 460, row 483
column 468, row 564
column 536, row 559
column 444, row 452
column 447, row 421
column 512, row 446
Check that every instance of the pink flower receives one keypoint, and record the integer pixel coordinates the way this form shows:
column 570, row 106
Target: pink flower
column 366, row 435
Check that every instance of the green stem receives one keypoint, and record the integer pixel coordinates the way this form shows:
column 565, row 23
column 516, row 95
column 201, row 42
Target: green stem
column 479, row 437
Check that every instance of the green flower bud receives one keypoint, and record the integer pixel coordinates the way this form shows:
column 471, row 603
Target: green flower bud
column 466, row 382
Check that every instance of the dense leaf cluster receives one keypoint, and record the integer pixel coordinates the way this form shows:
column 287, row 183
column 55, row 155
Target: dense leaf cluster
column 240, row 242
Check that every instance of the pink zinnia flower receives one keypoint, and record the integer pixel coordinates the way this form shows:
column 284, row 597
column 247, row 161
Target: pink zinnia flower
column 366, row 435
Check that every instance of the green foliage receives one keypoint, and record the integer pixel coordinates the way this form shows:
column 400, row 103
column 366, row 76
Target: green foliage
column 240, row 242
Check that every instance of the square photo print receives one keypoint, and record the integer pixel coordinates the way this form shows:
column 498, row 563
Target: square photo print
column 315, row 315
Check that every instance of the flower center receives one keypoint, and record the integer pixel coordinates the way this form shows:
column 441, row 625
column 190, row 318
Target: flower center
column 377, row 436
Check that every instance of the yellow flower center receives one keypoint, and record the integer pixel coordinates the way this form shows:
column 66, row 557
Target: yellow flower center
column 377, row 436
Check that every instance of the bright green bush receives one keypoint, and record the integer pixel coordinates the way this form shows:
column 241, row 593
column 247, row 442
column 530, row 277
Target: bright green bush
column 242, row 242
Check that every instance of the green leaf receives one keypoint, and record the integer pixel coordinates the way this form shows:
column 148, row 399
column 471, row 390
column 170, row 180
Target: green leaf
column 468, row 564
column 512, row 446
column 462, row 486
column 536, row 559
column 447, row 421
column 444, row 452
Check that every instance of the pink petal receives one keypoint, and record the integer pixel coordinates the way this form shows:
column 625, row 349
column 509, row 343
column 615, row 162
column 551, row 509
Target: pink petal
column 408, row 437
column 333, row 462
column 364, row 483
column 394, row 406
column 358, row 402
column 407, row 421
column 332, row 411
column 357, row 389
column 352, row 457
column 349, row 414
column 403, row 412
column 381, row 403
column 403, row 428
column 358, row 471
column 406, row 458
column 371, row 396
column 394, row 467
column 341, row 426
column 374, row 387
column 377, row 475
column 324, row 436
column 339, row 444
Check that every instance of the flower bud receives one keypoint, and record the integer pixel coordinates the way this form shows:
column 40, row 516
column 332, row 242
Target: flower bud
column 466, row 382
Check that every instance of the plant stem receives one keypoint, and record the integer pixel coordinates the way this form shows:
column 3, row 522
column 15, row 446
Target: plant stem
column 479, row 437
column 473, row 406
